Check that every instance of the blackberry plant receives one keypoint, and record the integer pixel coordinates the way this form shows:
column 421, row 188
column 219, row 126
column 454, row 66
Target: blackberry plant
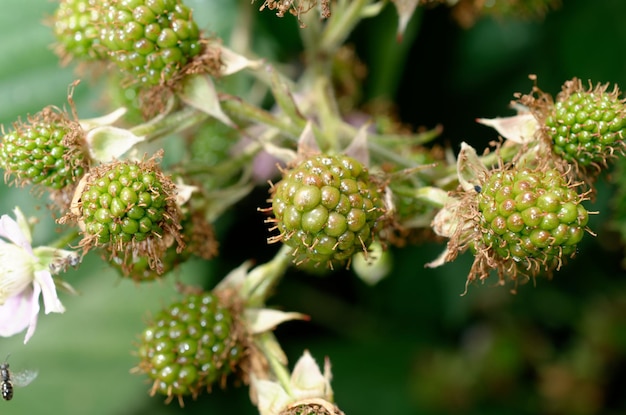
column 205, row 115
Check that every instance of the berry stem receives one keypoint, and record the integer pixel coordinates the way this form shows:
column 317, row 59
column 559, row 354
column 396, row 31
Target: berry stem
column 65, row 240
column 267, row 342
column 226, row 168
column 346, row 15
column 171, row 123
column 263, row 278
column 378, row 144
column 238, row 109
column 434, row 196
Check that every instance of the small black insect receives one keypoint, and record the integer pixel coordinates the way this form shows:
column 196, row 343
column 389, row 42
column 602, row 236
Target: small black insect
column 8, row 380
column 478, row 188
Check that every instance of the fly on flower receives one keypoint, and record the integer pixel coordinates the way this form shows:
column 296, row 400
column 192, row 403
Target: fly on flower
column 10, row 379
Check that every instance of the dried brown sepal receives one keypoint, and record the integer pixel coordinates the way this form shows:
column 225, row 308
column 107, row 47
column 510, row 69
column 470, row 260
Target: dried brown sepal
column 297, row 8
column 199, row 236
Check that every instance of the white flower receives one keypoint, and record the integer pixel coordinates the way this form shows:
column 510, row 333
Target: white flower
column 25, row 274
column 306, row 386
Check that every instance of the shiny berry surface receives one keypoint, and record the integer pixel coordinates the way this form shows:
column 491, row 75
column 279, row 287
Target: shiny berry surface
column 327, row 208
column 527, row 214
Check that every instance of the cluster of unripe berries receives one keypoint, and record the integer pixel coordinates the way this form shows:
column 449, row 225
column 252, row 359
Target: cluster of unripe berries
column 150, row 41
column 526, row 217
column 520, row 218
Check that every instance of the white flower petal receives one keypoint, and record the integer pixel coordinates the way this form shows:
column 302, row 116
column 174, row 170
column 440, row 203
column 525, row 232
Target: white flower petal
column 23, row 224
column 44, row 281
column 16, row 313
column 12, row 231
column 34, row 312
column 16, row 270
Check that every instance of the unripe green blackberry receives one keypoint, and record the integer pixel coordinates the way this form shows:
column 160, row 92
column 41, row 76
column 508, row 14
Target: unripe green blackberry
column 199, row 238
column 128, row 207
column 587, row 126
column 527, row 220
column 76, row 27
column 47, row 150
column 149, row 40
column 327, row 208
column 190, row 345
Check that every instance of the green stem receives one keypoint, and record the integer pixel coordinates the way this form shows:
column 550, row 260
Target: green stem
column 170, row 123
column 265, row 341
column 342, row 22
column 263, row 278
column 327, row 111
column 434, row 196
column 228, row 167
column 65, row 240
column 238, row 109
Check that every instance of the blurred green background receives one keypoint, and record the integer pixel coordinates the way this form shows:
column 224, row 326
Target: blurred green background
column 411, row 344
